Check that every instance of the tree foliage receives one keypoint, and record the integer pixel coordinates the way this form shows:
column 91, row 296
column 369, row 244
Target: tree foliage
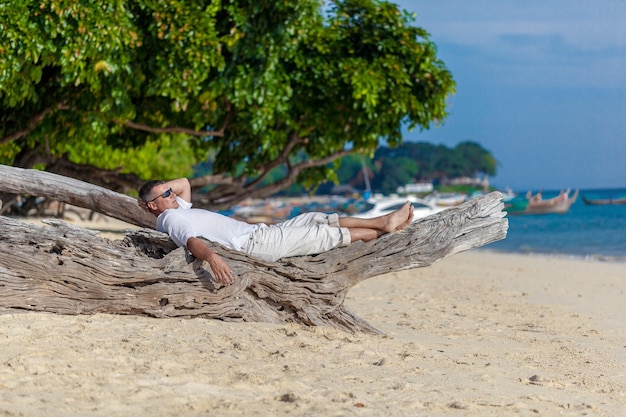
column 155, row 86
column 420, row 161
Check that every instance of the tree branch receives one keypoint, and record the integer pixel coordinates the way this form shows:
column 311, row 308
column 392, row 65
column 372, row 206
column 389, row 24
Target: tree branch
column 65, row 269
column 33, row 122
column 291, row 176
column 219, row 179
column 185, row 130
column 75, row 192
column 174, row 129
column 318, row 162
column 283, row 158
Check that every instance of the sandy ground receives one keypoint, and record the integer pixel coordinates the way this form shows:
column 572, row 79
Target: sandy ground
column 478, row 334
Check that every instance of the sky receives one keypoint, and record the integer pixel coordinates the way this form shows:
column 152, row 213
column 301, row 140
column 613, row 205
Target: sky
column 541, row 84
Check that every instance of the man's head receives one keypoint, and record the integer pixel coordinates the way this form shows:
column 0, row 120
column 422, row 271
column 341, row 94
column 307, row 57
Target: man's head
column 156, row 196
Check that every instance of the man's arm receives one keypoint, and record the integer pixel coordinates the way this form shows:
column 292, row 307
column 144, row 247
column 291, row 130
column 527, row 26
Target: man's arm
column 221, row 270
column 181, row 188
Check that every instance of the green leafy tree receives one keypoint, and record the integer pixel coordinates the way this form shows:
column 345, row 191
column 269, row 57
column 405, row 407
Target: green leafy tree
column 417, row 161
column 475, row 159
column 350, row 166
column 393, row 173
column 155, row 86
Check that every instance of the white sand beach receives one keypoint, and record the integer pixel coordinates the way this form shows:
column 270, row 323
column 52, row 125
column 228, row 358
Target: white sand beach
column 477, row 334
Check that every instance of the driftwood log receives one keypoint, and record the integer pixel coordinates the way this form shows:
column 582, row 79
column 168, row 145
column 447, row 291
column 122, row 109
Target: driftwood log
column 66, row 269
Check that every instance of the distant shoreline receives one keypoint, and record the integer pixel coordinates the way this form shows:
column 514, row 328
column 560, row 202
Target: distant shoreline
column 564, row 256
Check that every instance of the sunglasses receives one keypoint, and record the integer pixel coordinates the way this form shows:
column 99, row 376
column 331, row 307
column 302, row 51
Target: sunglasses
column 165, row 194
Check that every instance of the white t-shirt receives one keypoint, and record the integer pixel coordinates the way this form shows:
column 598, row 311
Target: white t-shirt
column 184, row 223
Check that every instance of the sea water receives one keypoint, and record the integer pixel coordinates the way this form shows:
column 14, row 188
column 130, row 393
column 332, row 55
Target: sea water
column 585, row 231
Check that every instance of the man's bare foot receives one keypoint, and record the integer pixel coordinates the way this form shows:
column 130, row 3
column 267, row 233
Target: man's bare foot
column 397, row 219
column 408, row 221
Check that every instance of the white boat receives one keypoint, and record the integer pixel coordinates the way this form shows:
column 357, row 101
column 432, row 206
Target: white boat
column 447, row 199
column 385, row 205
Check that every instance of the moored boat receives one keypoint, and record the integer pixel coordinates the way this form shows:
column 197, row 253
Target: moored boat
column 603, row 201
column 446, row 199
column 381, row 206
column 535, row 204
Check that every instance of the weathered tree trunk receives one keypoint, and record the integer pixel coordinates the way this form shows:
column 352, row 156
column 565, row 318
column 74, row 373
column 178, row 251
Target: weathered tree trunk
column 77, row 193
column 70, row 270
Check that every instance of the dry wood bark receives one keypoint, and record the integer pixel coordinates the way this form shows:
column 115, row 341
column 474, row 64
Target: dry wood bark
column 70, row 270
column 78, row 193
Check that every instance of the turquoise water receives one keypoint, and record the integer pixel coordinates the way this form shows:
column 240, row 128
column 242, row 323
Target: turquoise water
column 594, row 232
